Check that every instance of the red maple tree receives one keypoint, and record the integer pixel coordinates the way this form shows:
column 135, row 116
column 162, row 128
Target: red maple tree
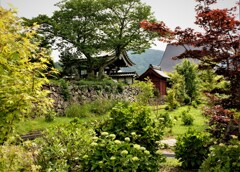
column 219, row 41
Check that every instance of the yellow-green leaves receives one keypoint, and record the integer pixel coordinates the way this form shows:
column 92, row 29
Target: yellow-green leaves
column 22, row 66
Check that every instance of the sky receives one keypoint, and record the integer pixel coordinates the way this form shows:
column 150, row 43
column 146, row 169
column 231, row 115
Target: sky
column 173, row 12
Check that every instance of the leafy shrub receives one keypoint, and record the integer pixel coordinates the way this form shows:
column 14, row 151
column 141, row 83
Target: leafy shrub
column 195, row 104
column 171, row 100
column 192, row 148
column 146, row 91
column 223, row 157
column 109, row 153
column 17, row 158
column 222, row 123
column 62, row 148
column 134, row 121
column 22, row 73
column 64, row 89
column 49, row 117
column 187, row 118
column 166, row 119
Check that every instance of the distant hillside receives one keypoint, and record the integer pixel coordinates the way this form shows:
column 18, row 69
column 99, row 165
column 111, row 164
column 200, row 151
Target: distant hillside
column 143, row 60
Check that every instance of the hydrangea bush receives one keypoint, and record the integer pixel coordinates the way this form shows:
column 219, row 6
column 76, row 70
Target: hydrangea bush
column 109, row 153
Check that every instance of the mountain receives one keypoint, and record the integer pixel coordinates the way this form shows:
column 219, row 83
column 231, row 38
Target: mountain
column 142, row 61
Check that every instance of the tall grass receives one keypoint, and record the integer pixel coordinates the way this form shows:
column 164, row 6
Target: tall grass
column 97, row 107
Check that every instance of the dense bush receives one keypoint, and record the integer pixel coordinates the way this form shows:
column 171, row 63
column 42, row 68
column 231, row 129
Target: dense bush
column 165, row 119
column 222, row 122
column 192, row 148
column 187, row 118
column 134, row 121
column 109, row 154
column 17, row 158
column 223, row 157
column 49, row 117
column 62, row 148
column 146, row 91
column 172, row 103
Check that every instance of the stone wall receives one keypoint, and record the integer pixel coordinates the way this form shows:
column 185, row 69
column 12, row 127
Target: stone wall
column 81, row 95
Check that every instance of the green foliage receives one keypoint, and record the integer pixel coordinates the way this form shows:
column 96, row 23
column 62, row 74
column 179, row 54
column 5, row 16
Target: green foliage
column 190, row 73
column 102, row 106
column 64, row 89
column 209, row 80
column 22, row 73
column 39, row 123
column 187, row 118
column 106, row 84
column 101, row 26
column 192, row 148
column 185, row 85
column 49, row 117
column 109, row 154
column 77, row 110
column 97, row 107
column 146, row 90
column 171, row 100
column 200, row 121
column 17, row 158
column 166, row 119
column 134, row 121
column 223, row 157
column 62, row 148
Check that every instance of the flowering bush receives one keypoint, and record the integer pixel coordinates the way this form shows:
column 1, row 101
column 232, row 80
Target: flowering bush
column 223, row 157
column 134, row 121
column 109, row 153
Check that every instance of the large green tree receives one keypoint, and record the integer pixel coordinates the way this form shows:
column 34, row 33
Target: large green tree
column 87, row 28
column 22, row 66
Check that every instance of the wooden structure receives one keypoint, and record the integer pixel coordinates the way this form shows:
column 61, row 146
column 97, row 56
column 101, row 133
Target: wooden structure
column 125, row 77
column 158, row 78
column 79, row 68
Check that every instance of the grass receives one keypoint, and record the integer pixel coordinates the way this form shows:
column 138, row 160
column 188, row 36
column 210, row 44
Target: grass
column 171, row 165
column 39, row 123
column 178, row 128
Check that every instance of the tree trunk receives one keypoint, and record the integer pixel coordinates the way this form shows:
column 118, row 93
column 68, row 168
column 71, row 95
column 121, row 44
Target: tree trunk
column 101, row 73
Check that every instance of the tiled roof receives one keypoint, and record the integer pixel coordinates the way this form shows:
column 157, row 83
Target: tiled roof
column 167, row 63
column 161, row 73
column 124, row 74
column 156, row 69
